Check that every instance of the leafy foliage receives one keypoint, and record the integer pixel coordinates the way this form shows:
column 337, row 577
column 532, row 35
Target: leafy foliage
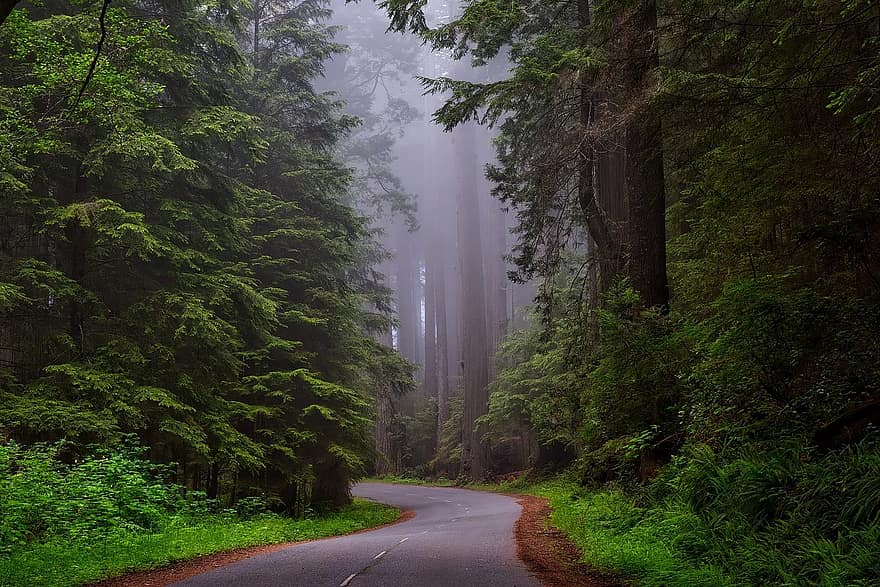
column 177, row 253
column 42, row 497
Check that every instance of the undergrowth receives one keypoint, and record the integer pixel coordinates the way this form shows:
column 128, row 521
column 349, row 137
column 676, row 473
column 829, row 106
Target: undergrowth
column 782, row 517
column 63, row 563
column 70, row 523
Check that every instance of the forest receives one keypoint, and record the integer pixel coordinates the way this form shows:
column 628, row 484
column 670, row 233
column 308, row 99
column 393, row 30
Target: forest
column 621, row 252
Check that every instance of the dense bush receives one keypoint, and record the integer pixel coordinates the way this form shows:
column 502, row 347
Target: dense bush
column 43, row 497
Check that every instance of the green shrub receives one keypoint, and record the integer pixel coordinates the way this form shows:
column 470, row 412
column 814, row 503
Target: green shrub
column 43, row 497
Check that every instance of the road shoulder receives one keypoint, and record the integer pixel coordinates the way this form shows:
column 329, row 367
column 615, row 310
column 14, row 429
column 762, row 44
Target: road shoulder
column 548, row 553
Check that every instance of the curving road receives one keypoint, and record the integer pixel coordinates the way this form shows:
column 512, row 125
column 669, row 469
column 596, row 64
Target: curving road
column 458, row 538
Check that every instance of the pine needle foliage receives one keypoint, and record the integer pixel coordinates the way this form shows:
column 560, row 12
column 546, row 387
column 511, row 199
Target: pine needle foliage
column 178, row 257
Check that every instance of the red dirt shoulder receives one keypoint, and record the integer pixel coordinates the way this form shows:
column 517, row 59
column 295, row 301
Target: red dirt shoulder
column 548, row 553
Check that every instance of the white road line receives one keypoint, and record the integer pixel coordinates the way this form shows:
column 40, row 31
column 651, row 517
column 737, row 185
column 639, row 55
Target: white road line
column 347, row 581
column 380, row 555
column 404, row 540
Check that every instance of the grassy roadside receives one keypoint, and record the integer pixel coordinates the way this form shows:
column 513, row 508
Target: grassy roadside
column 64, row 563
column 614, row 535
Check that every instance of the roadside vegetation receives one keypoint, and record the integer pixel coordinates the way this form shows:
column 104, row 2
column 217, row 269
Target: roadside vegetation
column 713, row 520
column 111, row 512
column 710, row 521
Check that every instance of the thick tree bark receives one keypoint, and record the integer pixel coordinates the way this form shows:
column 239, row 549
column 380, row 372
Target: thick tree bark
column 645, row 181
column 454, row 309
column 590, row 194
column 386, row 453
column 212, row 487
column 76, row 258
column 497, row 287
column 258, row 17
column 495, row 247
column 386, row 459
column 418, row 302
column 626, row 220
column 442, row 348
column 436, row 219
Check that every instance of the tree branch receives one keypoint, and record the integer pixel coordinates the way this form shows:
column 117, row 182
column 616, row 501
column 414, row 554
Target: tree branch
column 94, row 64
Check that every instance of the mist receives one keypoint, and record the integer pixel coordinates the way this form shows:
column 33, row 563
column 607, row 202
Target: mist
column 447, row 238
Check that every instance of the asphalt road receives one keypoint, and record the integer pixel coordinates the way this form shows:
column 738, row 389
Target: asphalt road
column 458, row 538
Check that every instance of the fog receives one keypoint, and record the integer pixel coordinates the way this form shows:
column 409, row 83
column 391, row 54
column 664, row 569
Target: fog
column 430, row 203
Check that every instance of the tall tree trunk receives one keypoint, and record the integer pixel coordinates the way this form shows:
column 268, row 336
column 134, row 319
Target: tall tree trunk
column 419, row 294
column 494, row 249
column 430, row 370
column 454, row 311
column 601, row 232
column 475, row 453
column 77, row 247
column 436, row 220
column 500, row 293
column 386, row 457
column 258, row 16
column 212, row 487
column 645, row 182
column 622, row 191
column 407, row 312
column 442, row 348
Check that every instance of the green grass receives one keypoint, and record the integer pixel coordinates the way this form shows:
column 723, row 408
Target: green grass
column 64, row 563
column 770, row 517
column 615, row 536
